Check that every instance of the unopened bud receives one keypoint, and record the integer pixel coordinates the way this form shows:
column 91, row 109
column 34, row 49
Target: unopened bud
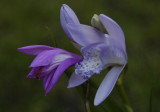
column 95, row 22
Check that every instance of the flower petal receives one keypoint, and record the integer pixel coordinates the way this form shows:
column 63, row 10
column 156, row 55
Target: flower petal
column 67, row 15
column 85, row 35
column 34, row 49
column 75, row 80
column 45, row 57
column 113, row 29
column 110, row 54
column 107, row 84
column 61, row 68
column 33, row 72
column 47, row 79
column 58, row 59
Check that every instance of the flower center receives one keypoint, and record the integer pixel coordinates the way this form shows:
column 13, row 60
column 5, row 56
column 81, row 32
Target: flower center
column 57, row 60
column 90, row 65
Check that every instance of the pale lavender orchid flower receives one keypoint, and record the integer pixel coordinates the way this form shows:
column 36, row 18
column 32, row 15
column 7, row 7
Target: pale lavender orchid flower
column 100, row 50
column 49, row 63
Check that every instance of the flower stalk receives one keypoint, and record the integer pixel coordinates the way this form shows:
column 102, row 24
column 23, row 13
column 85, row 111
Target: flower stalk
column 123, row 94
column 87, row 97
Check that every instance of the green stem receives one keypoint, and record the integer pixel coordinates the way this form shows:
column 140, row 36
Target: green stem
column 87, row 98
column 123, row 95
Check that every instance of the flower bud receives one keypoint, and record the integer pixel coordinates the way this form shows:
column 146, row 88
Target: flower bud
column 95, row 22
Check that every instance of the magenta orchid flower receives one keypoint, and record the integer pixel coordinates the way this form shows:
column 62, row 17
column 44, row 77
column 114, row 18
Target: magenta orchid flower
column 99, row 49
column 49, row 63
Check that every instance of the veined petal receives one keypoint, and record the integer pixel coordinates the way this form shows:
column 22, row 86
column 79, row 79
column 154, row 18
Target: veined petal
column 61, row 68
column 76, row 80
column 67, row 15
column 113, row 29
column 45, row 57
column 34, row 49
column 107, row 84
column 85, row 35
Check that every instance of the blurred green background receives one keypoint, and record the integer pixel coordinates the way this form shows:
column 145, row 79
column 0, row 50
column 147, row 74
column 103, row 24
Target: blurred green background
column 31, row 22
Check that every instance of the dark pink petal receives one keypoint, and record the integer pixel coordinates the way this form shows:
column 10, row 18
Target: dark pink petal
column 34, row 49
column 61, row 68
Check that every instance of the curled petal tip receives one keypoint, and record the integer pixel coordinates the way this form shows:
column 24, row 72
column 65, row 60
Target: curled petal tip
column 65, row 6
column 67, row 15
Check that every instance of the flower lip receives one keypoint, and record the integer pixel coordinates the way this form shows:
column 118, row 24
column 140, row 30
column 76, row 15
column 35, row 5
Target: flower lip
column 91, row 63
column 98, row 57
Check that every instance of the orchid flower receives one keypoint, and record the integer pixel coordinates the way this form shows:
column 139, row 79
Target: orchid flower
column 49, row 63
column 99, row 49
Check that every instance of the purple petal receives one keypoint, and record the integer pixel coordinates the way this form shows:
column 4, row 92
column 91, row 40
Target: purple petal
column 34, row 49
column 107, row 84
column 76, row 56
column 33, row 72
column 45, row 57
column 47, row 79
column 76, row 80
column 67, row 15
column 61, row 68
column 85, row 35
column 113, row 29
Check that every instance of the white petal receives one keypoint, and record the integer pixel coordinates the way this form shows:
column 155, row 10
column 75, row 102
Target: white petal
column 75, row 80
column 107, row 84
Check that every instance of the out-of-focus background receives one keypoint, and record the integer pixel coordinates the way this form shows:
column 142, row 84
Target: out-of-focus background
column 31, row 22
